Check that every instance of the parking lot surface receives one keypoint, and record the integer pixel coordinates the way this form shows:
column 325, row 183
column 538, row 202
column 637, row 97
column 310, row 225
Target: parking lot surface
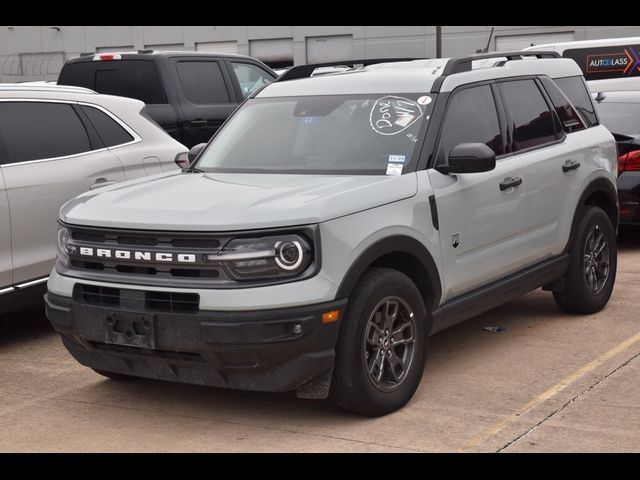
column 548, row 382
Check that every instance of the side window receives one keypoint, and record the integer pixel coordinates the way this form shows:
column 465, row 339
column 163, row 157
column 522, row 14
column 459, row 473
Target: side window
column 110, row 132
column 202, row 82
column 533, row 121
column 571, row 120
column 250, row 77
column 471, row 118
column 128, row 78
column 576, row 90
column 35, row 131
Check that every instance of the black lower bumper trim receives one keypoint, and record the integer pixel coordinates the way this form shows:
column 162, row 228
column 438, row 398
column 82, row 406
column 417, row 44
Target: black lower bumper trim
column 272, row 350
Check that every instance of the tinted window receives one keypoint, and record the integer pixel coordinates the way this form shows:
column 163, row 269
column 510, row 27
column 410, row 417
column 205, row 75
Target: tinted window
column 576, row 90
column 250, row 77
column 533, row 121
column 110, row 132
column 571, row 120
column 128, row 78
column 34, row 131
column 202, row 82
column 471, row 118
column 621, row 118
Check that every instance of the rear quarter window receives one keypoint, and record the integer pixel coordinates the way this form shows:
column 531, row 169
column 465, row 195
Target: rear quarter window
column 576, row 90
column 110, row 132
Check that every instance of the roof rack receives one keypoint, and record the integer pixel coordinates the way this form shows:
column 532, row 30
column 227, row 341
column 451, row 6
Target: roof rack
column 464, row 64
column 86, row 54
column 305, row 71
column 146, row 50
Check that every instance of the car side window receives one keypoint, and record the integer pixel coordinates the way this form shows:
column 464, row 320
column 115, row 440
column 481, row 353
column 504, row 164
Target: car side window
column 576, row 90
column 250, row 77
column 570, row 118
column 110, row 132
column 202, row 82
column 531, row 118
column 471, row 118
column 39, row 130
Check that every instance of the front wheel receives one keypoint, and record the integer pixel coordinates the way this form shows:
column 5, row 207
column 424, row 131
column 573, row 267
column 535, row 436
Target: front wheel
column 593, row 259
column 381, row 351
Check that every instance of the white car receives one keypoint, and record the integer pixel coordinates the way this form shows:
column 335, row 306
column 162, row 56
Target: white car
column 55, row 143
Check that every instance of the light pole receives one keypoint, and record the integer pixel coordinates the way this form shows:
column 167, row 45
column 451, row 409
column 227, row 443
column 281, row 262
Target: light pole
column 438, row 42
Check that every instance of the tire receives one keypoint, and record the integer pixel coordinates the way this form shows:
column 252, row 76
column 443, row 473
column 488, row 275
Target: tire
column 120, row 377
column 582, row 295
column 353, row 388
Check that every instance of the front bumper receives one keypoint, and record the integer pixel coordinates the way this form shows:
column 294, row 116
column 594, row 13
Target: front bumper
column 271, row 350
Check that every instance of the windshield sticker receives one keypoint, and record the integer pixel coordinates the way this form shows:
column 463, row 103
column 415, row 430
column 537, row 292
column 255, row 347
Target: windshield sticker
column 308, row 120
column 397, row 158
column 392, row 115
column 395, row 169
column 424, row 100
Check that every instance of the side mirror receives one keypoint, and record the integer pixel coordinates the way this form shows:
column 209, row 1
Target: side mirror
column 195, row 151
column 470, row 158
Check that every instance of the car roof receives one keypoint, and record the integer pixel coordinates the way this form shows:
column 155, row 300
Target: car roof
column 152, row 54
column 64, row 93
column 604, row 42
column 44, row 87
column 427, row 75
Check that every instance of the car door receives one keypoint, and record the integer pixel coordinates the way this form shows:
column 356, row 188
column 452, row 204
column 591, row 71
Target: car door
column 6, row 263
column 248, row 77
column 50, row 159
column 206, row 99
column 481, row 218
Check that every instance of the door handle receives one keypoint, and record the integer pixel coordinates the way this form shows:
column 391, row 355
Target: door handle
column 570, row 165
column 101, row 182
column 198, row 123
column 510, row 183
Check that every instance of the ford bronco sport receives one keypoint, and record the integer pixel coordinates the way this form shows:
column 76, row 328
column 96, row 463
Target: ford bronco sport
column 335, row 222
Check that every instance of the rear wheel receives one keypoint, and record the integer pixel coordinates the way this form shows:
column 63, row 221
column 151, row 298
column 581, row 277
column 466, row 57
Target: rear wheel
column 591, row 274
column 382, row 347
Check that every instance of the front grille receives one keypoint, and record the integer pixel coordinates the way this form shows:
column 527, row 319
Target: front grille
column 200, row 274
column 170, row 302
column 101, row 296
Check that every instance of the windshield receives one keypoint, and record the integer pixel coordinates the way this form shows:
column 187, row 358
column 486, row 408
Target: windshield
column 623, row 118
column 366, row 135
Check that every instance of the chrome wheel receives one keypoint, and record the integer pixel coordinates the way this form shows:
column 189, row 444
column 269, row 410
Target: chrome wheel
column 389, row 343
column 596, row 260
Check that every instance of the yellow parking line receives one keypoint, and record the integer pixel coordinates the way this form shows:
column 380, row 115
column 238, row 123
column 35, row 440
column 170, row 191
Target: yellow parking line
column 546, row 395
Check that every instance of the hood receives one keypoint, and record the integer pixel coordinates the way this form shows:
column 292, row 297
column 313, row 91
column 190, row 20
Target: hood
column 227, row 202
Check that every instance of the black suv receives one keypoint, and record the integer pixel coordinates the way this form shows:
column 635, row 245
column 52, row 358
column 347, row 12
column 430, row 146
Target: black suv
column 189, row 94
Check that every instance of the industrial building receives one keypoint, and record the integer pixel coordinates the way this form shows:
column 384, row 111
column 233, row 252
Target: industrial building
column 37, row 52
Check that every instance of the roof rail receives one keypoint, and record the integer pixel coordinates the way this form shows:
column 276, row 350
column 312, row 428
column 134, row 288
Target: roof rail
column 86, row 54
column 146, row 50
column 305, row 71
column 464, row 64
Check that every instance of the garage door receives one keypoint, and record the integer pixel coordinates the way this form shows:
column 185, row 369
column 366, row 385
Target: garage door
column 272, row 51
column 167, row 47
column 329, row 49
column 217, row 47
column 518, row 42
column 128, row 48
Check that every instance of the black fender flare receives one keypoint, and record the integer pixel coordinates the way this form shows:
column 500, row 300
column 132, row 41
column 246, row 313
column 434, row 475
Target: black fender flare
column 388, row 245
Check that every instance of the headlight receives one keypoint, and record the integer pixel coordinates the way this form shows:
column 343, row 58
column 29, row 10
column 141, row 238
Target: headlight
column 266, row 257
column 65, row 248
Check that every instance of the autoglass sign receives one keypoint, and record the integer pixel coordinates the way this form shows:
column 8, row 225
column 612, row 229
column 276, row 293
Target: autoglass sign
column 607, row 62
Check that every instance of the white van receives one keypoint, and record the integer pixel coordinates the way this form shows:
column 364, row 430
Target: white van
column 608, row 64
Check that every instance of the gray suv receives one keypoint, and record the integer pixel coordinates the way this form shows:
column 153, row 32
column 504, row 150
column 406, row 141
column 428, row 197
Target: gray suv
column 337, row 221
